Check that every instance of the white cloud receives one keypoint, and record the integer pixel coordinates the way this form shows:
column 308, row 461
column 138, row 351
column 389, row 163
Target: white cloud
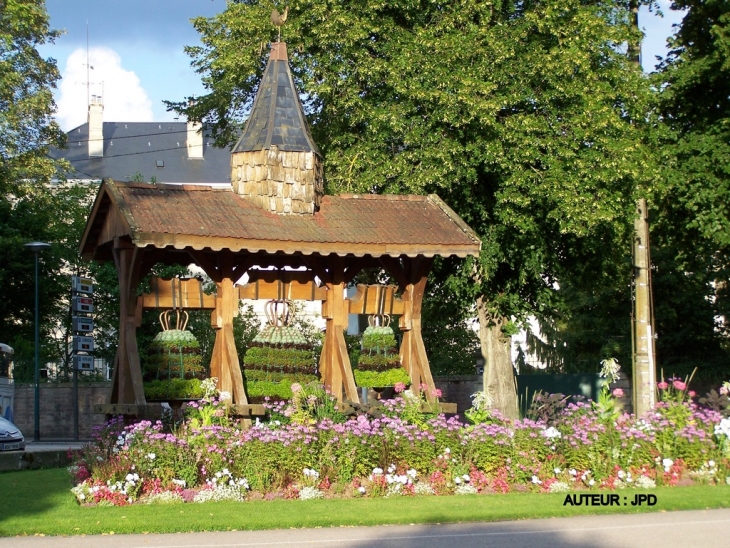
column 125, row 100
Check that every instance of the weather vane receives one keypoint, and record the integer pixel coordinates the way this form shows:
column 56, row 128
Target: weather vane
column 278, row 19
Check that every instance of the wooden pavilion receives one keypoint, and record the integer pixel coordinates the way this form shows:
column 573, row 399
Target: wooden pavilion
column 274, row 214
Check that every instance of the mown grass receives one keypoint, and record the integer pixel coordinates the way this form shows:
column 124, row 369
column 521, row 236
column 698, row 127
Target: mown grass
column 40, row 502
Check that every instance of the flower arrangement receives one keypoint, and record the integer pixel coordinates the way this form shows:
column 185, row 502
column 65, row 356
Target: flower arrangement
column 278, row 356
column 379, row 362
column 174, row 354
column 310, row 450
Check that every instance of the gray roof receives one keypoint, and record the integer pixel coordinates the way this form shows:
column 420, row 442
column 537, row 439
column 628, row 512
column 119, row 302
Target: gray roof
column 137, row 147
column 277, row 117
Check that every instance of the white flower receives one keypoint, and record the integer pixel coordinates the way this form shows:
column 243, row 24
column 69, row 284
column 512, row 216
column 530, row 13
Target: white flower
column 447, row 450
column 667, row 464
column 536, row 480
column 466, row 477
column 457, row 480
column 592, row 482
column 412, row 473
column 151, row 456
column 723, row 429
column 224, row 396
column 557, row 471
column 572, row 472
column 559, row 487
column 552, row 433
column 621, row 474
column 377, row 471
column 361, row 489
column 711, row 463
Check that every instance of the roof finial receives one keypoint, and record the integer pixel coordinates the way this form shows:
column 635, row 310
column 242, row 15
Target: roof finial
column 278, row 19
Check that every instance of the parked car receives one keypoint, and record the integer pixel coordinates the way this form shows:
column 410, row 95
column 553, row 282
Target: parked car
column 10, row 436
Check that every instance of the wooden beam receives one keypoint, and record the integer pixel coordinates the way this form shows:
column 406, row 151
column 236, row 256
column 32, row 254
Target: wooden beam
column 335, row 366
column 413, row 351
column 127, row 386
column 281, row 290
column 177, row 293
column 375, row 299
column 225, row 365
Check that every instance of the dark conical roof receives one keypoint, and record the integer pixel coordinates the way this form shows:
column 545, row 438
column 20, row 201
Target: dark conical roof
column 277, row 117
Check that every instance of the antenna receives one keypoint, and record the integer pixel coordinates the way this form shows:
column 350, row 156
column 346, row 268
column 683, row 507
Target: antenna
column 88, row 78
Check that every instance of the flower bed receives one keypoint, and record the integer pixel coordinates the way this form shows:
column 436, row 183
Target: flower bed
column 308, row 449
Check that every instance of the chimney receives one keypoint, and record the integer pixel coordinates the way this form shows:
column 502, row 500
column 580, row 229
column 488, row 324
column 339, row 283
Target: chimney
column 195, row 140
column 276, row 163
column 96, row 127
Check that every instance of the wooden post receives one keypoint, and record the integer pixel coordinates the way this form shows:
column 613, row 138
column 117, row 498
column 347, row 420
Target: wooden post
column 334, row 363
column 127, row 385
column 224, row 363
column 413, row 352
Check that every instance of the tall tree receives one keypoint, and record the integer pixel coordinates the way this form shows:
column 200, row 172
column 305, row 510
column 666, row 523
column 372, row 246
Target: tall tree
column 28, row 210
column 518, row 113
column 26, row 99
column 693, row 222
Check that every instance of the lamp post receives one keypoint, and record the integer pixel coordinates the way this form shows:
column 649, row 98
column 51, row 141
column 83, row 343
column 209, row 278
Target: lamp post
column 36, row 248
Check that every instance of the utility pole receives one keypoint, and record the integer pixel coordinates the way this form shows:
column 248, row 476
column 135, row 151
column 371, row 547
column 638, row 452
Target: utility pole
column 644, row 370
column 644, row 365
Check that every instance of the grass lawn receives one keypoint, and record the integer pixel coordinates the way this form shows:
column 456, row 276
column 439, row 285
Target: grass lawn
column 40, row 501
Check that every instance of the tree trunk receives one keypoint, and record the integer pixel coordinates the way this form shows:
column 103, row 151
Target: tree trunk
column 499, row 374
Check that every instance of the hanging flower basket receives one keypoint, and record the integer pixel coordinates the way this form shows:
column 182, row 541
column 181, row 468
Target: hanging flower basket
column 278, row 356
column 174, row 361
column 379, row 364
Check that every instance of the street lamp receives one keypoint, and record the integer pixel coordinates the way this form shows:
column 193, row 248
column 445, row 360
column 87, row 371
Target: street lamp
column 36, row 248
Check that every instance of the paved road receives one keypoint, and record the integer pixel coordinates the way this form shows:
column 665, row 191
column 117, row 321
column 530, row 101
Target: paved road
column 704, row 528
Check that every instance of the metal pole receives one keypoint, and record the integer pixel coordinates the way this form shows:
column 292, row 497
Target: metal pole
column 76, row 404
column 36, row 408
column 36, row 248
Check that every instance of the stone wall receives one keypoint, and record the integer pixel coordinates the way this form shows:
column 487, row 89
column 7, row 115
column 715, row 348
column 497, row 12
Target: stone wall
column 56, row 409
column 279, row 181
column 459, row 388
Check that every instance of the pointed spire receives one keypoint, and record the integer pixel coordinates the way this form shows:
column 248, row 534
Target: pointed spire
column 275, row 163
column 277, row 117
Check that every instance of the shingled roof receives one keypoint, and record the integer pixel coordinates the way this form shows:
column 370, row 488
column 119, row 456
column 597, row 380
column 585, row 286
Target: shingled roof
column 201, row 217
column 151, row 149
column 277, row 117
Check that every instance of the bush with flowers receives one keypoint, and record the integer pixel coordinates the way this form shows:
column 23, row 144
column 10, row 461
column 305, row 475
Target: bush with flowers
column 308, row 448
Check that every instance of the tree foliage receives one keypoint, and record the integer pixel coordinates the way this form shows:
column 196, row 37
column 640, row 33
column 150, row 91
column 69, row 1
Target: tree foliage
column 692, row 226
column 26, row 100
column 526, row 117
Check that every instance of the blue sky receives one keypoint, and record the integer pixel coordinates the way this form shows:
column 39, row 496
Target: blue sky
column 136, row 51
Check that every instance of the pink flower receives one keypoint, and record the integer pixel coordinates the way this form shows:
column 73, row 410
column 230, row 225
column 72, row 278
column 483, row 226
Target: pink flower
column 617, row 393
column 296, row 387
column 679, row 385
column 437, row 393
column 400, row 387
column 724, row 390
column 692, row 393
column 662, row 385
